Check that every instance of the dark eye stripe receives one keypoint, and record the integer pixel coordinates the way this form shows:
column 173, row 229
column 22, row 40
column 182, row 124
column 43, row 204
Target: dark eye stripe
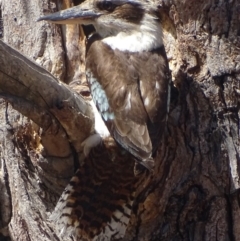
column 106, row 5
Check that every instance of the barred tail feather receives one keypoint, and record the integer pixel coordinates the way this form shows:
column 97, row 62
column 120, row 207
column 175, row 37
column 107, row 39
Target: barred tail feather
column 97, row 203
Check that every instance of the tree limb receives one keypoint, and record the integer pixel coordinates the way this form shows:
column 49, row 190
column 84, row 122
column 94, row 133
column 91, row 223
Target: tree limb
column 38, row 95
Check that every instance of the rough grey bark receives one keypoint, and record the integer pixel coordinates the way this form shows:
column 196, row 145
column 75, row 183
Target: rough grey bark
column 194, row 191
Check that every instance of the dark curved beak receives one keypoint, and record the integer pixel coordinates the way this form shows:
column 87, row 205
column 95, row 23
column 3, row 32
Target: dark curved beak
column 74, row 15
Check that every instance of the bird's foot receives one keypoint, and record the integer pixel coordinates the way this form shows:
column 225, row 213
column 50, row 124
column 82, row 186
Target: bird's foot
column 90, row 142
column 144, row 165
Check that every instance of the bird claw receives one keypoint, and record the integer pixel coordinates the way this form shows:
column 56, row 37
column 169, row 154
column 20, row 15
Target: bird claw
column 90, row 142
column 141, row 167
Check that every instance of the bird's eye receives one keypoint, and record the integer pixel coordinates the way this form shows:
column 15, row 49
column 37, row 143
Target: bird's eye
column 107, row 5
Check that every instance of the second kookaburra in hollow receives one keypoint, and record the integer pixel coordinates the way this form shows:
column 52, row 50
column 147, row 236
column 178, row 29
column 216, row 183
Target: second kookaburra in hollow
column 127, row 70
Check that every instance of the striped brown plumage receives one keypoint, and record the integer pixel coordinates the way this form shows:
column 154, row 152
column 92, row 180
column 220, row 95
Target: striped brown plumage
column 97, row 203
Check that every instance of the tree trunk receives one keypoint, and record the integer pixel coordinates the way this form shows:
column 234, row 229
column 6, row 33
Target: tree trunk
column 193, row 193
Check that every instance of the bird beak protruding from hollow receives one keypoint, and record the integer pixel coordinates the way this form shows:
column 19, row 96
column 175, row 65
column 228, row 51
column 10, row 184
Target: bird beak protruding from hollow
column 74, row 15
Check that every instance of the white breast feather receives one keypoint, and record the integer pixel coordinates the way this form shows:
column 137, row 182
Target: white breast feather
column 100, row 126
column 146, row 38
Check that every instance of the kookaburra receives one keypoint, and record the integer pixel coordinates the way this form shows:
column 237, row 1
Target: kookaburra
column 127, row 70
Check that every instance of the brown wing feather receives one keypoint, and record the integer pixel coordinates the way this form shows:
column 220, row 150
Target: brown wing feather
column 154, row 87
column 138, row 106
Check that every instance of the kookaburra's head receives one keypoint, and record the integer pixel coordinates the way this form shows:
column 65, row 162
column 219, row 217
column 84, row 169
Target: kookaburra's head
column 113, row 17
